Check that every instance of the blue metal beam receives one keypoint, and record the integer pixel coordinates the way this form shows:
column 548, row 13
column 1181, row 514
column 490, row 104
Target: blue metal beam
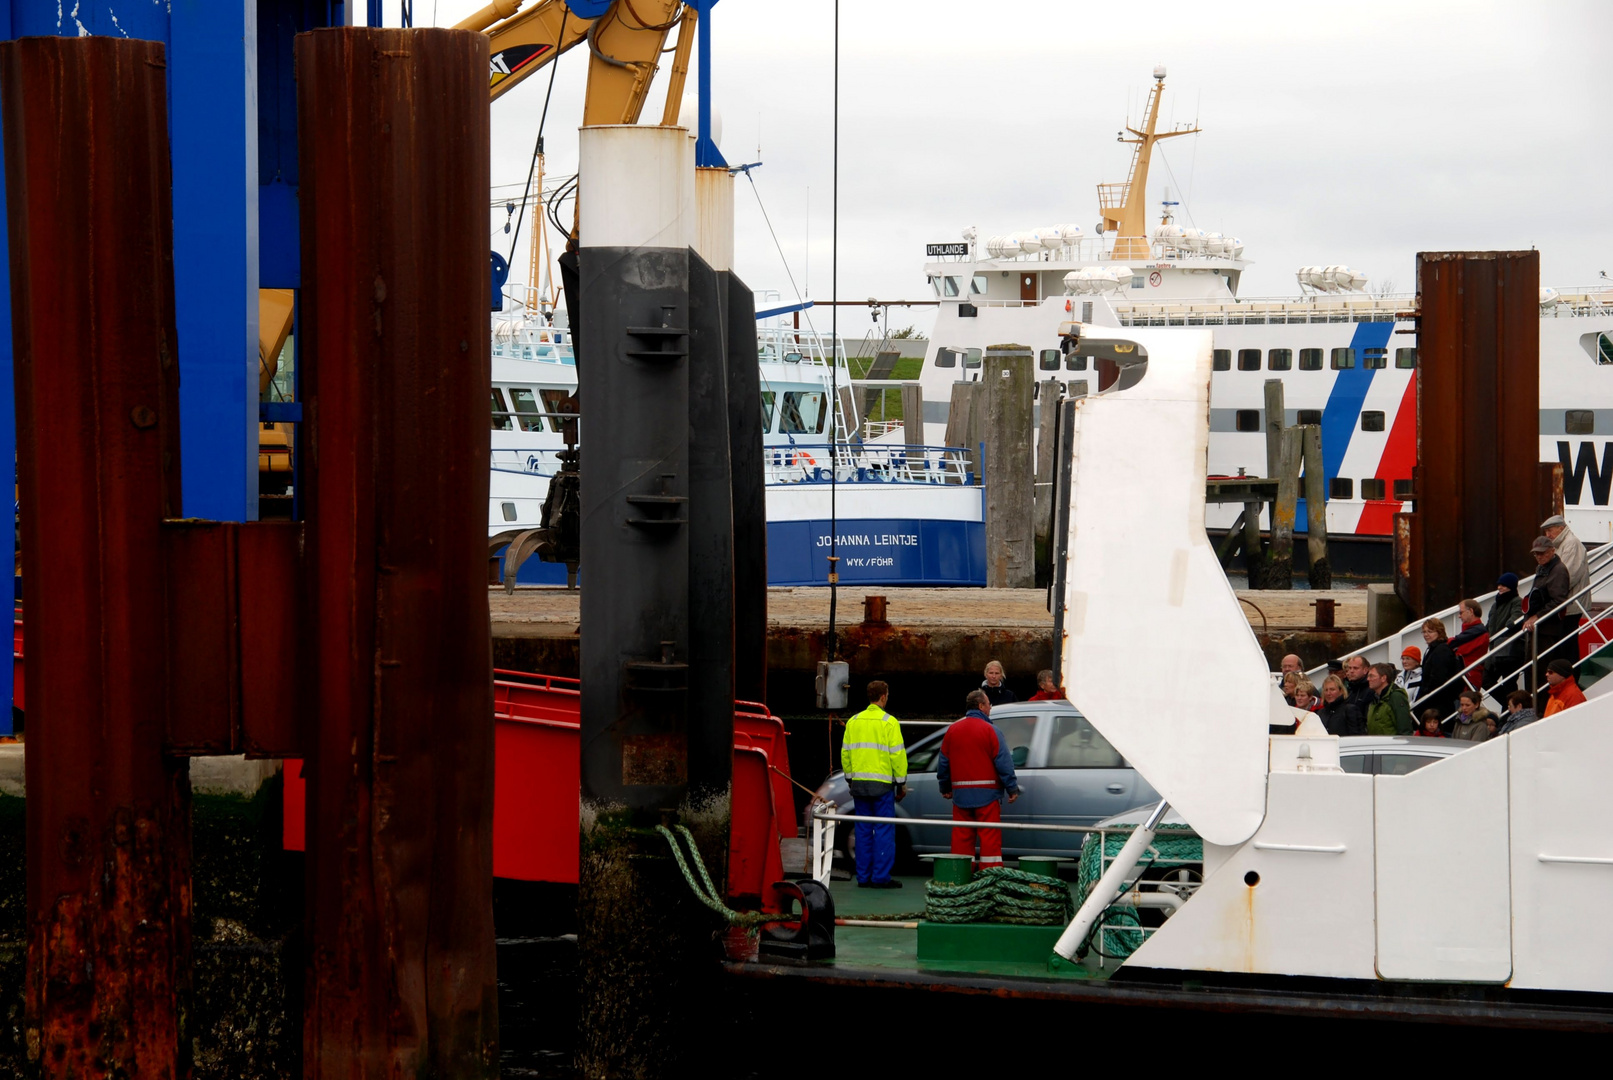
column 706, row 154
column 770, row 312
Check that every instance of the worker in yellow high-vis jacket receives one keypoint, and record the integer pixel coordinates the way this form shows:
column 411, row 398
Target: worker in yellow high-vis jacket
column 875, row 762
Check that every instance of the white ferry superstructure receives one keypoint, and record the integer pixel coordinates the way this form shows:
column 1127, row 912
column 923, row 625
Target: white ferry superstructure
column 1347, row 360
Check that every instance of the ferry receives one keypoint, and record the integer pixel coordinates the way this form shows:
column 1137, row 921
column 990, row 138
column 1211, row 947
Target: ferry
column 1347, row 359
column 900, row 514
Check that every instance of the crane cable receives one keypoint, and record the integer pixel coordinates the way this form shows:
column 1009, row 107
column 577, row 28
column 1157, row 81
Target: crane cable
column 537, row 147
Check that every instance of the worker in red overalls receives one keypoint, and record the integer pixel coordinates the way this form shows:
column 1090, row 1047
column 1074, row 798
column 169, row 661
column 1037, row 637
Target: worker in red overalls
column 974, row 770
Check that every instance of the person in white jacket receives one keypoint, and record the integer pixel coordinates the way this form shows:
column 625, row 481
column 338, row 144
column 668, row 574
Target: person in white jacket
column 1569, row 550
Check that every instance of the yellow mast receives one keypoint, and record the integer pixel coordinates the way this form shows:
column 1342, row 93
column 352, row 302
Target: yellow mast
column 1125, row 206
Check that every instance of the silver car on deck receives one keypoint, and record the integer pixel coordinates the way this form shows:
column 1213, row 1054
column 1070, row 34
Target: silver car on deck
column 1068, row 775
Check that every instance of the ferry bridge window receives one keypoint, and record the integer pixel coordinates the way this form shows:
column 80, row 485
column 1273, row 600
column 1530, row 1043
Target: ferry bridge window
column 1579, row 422
column 1248, row 420
column 1076, row 744
column 1604, row 349
column 1279, row 359
column 768, row 397
column 1075, row 363
column 949, row 286
column 971, row 358
column 1343, row 359
column 802, row 412
column 1376, row 359
column 1405, row 358
column 1310, row 359
column 1248, row 359
column 946, row 358
column 1341, row 488
column 1309, row 416
column 525, row 405
column 1372, row 488
column 501, row 415
column 1049, row 359
column 935, row 284
column 1372, row 420
column 1403, row 490
column 977, row 284
column 554, row 403
column 1223, row 360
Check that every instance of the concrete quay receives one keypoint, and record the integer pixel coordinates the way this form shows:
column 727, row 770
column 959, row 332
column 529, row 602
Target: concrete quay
column 933, row 644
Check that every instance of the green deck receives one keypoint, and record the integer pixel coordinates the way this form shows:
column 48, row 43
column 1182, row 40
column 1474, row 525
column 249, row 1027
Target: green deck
column 995, row 949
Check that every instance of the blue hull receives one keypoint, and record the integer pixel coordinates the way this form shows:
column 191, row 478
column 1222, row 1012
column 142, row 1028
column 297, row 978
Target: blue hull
column 878, row 551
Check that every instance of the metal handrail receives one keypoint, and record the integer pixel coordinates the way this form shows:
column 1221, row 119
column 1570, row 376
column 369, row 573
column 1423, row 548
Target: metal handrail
column 1534, row 634
column 1165, row 831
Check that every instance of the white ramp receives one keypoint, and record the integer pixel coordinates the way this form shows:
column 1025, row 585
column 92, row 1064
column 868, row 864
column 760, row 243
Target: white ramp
column 1157, row 651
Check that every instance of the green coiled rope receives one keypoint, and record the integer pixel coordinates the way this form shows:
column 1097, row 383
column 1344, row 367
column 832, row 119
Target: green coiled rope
column 1001, row 894
column 1120, row 932
column 709, row 894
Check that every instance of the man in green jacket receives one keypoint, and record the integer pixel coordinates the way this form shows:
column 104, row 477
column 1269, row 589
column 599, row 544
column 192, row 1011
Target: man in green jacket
column 1390, row 711
column 875, row 762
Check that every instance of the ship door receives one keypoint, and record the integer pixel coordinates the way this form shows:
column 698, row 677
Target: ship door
column 1027, row 289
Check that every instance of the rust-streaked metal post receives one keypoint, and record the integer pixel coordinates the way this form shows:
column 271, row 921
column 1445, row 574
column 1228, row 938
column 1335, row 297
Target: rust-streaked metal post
column 393, row 137
column 1478, row 363
column 97, row 391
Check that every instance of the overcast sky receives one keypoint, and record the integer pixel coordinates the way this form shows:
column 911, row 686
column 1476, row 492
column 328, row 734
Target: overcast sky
column 1352, row 133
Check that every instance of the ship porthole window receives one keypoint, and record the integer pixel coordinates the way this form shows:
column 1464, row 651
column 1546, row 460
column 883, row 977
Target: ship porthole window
column 1049, row 359
column 1405, row 358
column 1372, row 420
column 1223, row 360
column 1579, row 422
column 1248, row 420
column 1343, row 359
column 1248, row 359
column 1372, row 489
column 1342, row 487
column 508, row 510
column 1310, row 416
column 1280, row 359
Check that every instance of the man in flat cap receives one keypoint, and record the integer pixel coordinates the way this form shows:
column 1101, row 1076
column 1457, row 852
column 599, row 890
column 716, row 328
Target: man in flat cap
column 1569, row 550
column 1551, row 589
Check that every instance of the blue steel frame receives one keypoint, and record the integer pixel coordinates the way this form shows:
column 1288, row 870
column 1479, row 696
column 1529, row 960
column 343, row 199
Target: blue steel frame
column 215, row 65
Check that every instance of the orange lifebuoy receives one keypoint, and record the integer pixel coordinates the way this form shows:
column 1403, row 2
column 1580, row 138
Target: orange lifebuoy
column 804, row 457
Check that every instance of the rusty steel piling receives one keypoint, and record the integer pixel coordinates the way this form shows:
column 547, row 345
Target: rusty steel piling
column 97, row 391
column 397, row 694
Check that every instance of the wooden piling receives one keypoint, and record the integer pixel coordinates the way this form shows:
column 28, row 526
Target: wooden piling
column 1047, row 428
column 913, row 414
column 1316, row 509
column 1274, row 426
column 965, row 420
column 1280, row 560
column 1007, row 376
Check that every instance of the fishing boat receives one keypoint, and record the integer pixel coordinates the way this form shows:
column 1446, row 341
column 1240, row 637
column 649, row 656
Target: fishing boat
column 899, row 514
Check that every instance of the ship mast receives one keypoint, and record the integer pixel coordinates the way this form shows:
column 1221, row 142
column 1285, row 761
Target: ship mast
column 1125, row 206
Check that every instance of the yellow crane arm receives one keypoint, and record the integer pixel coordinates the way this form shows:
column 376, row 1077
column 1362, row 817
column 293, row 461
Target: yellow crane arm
column 624, row 46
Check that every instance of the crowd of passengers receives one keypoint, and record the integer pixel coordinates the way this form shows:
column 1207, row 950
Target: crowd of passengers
column 1439, row 691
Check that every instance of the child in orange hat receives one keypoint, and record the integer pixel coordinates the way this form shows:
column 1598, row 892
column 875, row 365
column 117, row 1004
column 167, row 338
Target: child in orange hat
column 1410, row 678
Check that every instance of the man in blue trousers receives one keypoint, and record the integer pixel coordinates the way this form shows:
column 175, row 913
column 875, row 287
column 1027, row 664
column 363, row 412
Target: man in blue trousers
column 875, row 762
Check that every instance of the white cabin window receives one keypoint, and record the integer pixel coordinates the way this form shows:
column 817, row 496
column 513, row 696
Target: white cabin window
column 1343, row 359
column 1372, row 420
column 1222, row 360
column 935, row 284
column 1049, row 359
column 802, row 413
column 1405, row 358
column 977, row 285
column 1372, row 489
column 554, row 404
column 1579, row 422
column 1341, row 488
column 1247, row 419
column 1310, row 359
column 525, row 406
column 501, row 415
column 1279, row 359
column 946, row 358
column 1137, row 281
column 768, row 397
column 1075, row 363
column 1248, row 359
column 1604, row 349
column 971, row 358
column 949, row 286
column 1377, row 359
column 508, row 510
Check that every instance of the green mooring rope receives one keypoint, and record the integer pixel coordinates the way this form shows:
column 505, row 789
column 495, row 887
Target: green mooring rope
column 1121, row 934
column 709, row 894
column 1001, row 894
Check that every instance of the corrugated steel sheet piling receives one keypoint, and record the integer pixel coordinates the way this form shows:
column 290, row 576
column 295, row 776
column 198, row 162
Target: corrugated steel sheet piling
column 90, row 219
column 1478, row 498
column 393, row 138
column 644, row 941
